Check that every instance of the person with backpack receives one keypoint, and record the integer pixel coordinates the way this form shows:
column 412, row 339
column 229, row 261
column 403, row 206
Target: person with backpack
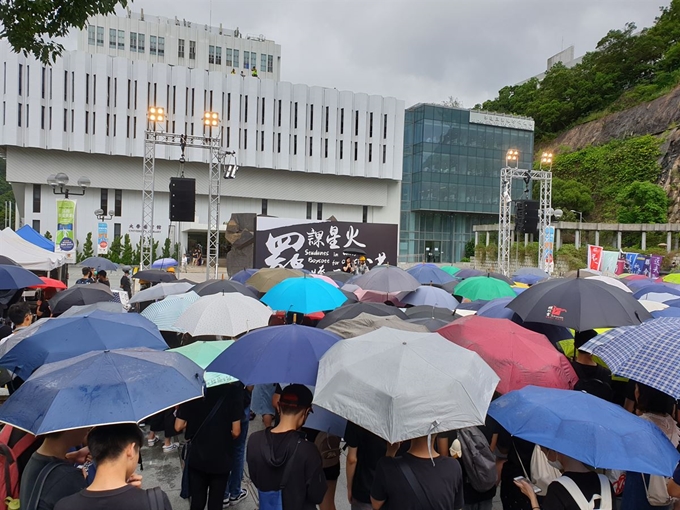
column 329, row 448
column 286, row 469
column 16, row 449
column 115, row 450
column 592, row 378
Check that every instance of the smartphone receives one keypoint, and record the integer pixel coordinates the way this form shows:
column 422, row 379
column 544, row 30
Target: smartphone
column 537, row 489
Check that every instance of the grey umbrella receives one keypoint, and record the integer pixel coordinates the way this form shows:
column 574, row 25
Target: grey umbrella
column 389, row 279
column 365, row 323
column 99, row 263
column 80, row 295
column 105, row 306
column 533, row 271
column 220, row 286
column 431, row 324
column 160, row 291
column 350, row 311
column 429, row 312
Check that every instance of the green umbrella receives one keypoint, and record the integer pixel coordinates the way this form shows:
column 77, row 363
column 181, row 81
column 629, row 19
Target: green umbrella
column 203, row 353
column 452, row 270
column 483, row 288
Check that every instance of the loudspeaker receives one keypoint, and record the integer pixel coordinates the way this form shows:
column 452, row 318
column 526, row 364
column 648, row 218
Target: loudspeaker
column 526, row 216
column 182, row 199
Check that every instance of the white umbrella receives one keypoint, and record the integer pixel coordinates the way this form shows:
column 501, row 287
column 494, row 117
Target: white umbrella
column 653, row 306
column 611, row 281
column 226, row 315
column 160, row 291
column 401, row 385
column 658, row 297
column 166, row 312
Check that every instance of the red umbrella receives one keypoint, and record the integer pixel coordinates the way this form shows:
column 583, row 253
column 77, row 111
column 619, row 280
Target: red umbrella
column 50, row 283
column 518, row 356
column 634, row 277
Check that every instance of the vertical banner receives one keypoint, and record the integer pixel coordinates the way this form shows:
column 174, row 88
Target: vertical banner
column 102, row 238
column 594, row 257
column 66, row 229
column 655, row 265
column 640, row 265
column 549, row 250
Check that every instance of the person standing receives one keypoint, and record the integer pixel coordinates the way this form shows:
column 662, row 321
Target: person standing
column 87, row 277
column 347, row 266
column 235, row 492
column 103, row 278
column 361, row 267
column 364, row 451
column 43, row 310
column 125, row 283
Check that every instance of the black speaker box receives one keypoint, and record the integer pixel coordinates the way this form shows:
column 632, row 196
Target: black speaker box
column 182, row 199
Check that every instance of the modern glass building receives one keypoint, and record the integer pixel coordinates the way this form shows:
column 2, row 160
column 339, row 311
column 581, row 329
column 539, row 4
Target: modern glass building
column 451, row 179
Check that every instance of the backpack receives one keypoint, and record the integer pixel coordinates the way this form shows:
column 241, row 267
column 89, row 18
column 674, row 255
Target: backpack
column 657, row 490
column 14, row 443
column 605, row 496
column 329, row 448
column 478, row 459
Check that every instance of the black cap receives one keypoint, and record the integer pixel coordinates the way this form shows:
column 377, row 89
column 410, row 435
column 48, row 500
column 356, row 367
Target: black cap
column 296, row 395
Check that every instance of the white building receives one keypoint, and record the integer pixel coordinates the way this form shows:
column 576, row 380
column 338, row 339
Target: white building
column 304, row 151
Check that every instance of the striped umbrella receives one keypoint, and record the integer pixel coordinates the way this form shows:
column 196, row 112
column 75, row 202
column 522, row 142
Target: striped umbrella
column 164, row 313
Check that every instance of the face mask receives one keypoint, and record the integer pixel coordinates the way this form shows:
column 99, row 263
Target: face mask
column 556, row 464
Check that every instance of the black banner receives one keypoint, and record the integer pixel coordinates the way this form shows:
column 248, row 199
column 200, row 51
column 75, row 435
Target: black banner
column 321, row 247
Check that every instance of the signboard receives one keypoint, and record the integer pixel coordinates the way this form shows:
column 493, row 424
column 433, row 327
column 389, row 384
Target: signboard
column 66, row 229
column 138, row 228
column 506, row 121
column 321, row 246
column 648, row 265
column 102, row 238
column 549, row 250
column 594, row 257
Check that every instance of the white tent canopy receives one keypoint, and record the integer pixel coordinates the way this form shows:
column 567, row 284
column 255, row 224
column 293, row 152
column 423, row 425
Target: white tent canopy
column 28, row 255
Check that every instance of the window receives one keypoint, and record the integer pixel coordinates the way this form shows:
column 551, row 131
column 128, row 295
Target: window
column 356, row 123
column 370, row 126
column 100, row 36
column 192, row 50
column 4, row 78
column 309, row 211
column 180, row 48
column 385, row 127
column 91, row 29
column 129, row 93
column 263, row 105
column 134, row 127
column 262, row 140
column 28, row 116
column 161, row 46
column 128, row 127
column 279, row 120
column 116, row 230
column 311, row 146
column 246, row 60
column 94, row 89
column 211, row 54
column 121, row 39
column 50, row 124
column 296, row 109
column 115, row 92
column 118, row 203
column 294, row 145
column 319, row 211
column 356, row 151
column 36, row 225
column 342, row 121
column 235, row 58
column 153, row 45
column 133, row 41
column 136, row 95
column 87, row 88
column 325, row 148
column 245, row 139
column 37, row 193
column 326, row 119
column 115, row 124
column 341, row 149
column 263, row 62
column 4, row 111
column 42, row 117
column 229, row 106
column 364, row 215
column 73, row 86
column 227, row 57
column 113, row 34
column 87, row 122
column 218, row 55
column 384, row 153
column 94, row 123
column 21, row 74
column 264, row 207
column 278, row 142
column 28, row 81
column 311, row 117
column 140, row 43
column 65, row 85
column 174, row 100
column 19, row 116
column 253, row 58
column 370, row 152
column 108, row 91
column 270, row 63
column 104, row 200
column 245, row 110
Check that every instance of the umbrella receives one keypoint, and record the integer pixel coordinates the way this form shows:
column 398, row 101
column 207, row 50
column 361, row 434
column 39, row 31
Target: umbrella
column 452, row 270
column 483, row 288
column 672, row 278
column 673, row 303
column 58, row 339
column 529, row 279
column 499, row 276
column 104, row 306
column 266, row 278
column 646, row 353
column 468, row 273
column 671, row 311
column 283, row 354
column 351, row 296
column 430, row 296
column 80, row 295
column 429, row 312
column 652, row 306
column 354, row 251
column 578, row 303
column 326, row 279
column 325, row 421
column 102, row 388
column 645, row 282
column 449, row 287
column 49, row 283
column 472, row 305
column 429, row 274
column 339, row 276
column 586, row 428
column 99, row 263
column 16, row 277
column 155, row 276
column 226, row 315
column 611, row 281
column 165, row 313
column 656, row 288
column 6, row 261
column 389, row 279
column 243, row 275
column 659, row 297
column 203, row 353
column 518, row 356
column 373, row 296
column 353, row 310
column 365, row 323
column 402, row 385
column 220, row 286
column 164, row 263
column 431, row 324
column 303, row 295
column 581, row 273
column 533, row 271
column 497, row 309
column 161, row 291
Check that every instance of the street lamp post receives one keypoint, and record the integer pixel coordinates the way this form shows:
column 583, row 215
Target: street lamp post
column 580, row 224
column 60, row 181
column 101, row 215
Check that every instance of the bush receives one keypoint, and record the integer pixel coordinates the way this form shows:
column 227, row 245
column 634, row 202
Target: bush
column 470, row 248
column 465, row 259
column 573, row 257
column 492, row 252
column 480, row 253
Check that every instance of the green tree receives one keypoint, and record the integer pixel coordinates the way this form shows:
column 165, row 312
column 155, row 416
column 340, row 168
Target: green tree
column 643, row 202
column 167, row 246
column 87, row 247
column 115, row 249
column 571, row 194
column 127, row 256
column 470, row 248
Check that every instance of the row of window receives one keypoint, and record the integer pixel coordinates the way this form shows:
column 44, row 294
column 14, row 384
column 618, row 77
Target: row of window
column 232, row 58
column 95, row 36
column 104, row 201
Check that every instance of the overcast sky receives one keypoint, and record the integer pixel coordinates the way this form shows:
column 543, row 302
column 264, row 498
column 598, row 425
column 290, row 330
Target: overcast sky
column 417, row 50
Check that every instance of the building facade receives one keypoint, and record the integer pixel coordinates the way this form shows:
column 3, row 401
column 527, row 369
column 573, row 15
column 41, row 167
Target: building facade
column 452, row 162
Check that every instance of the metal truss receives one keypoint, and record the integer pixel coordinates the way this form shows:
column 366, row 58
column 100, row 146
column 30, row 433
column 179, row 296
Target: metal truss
column 505, row 213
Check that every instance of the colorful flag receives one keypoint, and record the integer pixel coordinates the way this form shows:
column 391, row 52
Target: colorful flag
column 102, row 238
column 66, row 229
column 594, row 257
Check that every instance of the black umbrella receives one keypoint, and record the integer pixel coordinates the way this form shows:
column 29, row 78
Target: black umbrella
column 79, row 295
column 155, row 276
column 431, row 324
column 448, row 287
column 579, row 304
column 351, row 296
column 468, row 273
column 99, row 263
column 220, row 286
column 339, row 276
column 354, row 251
column 429, row 312
column 355, row 309
column 388, row 279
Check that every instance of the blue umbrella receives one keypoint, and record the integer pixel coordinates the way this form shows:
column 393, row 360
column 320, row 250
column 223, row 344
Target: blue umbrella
column 98, row 263
column 102, row 388
column 431, row 296
column 673, row 303
column 428, row 274
column 496, row 309
column 303, row 295
column 16, row 277
column 61, row 338
column 655, row 288
column 586, row 428
column 277, row 354
column 163, row 263
column 535, row 271
column 529, row 279
column 244, row 275
column 671, row 311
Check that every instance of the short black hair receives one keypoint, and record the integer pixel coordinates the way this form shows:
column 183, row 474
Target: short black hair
column 651, row 400
column 107, row 442
column 18, row 311
column 101, row 272
column 582, row 337
column 86, row 271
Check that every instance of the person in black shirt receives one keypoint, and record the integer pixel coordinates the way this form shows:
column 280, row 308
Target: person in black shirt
column 269, row 452
column 364, row 451
column 125, row 283
column 519, row 454
column 211, row 442
column 87, row 277
column 115, row 451
column 103, row 278
column 592, row 378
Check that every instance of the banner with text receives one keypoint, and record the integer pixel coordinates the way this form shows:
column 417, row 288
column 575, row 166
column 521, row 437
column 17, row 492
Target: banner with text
column 594, row 257
column 321, row 246
column 549, row 250
column 647, row 265
column 102, row 238
column 66, row 229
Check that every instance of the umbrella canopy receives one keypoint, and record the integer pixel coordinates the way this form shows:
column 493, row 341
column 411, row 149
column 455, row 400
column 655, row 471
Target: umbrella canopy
column 586, row 428
column 350, row 311
column 102, row 388
column 534, row 271
column 49, row 283
column 104, row 306
column 672, row 278
column 165, row 313
column 365, row 323
column 429, row 312
column 226, row 315
column 483, row 288
column 243, row 275
column 671, row 311
column 429, row 274
column 578, row 303
column 284, row 354
column 161, row 291
column 164, row 263
column 57, row 339
column 203, row 353
column 497, row 309
column 655, row 288
column 221, row 286
column 581, row 273
column 452, row 270
column 518, row 356
column 468, row 273
column 79, row 295
column 16, row 277
column 155, row 276
column 652, row 306
column 646, row 282
column 6, row 261
column 304, row 295
column 339, row 276
column 610, row 281
column 326, row 279
column 264, row 279
column 99, row 263
column 389, row 279
column 659, row 297
column 431, row 324
column 472, row 305
column 402, row 385
column 431, row 296
column 646, row 353
column 528, row 279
